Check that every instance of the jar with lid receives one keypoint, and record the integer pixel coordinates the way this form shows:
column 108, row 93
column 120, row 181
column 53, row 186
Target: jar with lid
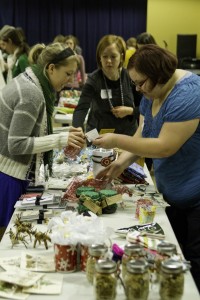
column 171, row 280
column 96, row 252
column 105, row 280
column 165, row 251
column 131, row 251
column 136, row 280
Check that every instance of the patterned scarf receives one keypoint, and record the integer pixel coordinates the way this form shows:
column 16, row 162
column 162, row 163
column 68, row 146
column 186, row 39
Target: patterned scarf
column 49, row 95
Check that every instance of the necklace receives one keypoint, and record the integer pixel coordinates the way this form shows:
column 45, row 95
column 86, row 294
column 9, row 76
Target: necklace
column 121, row 91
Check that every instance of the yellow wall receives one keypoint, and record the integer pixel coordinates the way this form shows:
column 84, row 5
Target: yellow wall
column 167, row 18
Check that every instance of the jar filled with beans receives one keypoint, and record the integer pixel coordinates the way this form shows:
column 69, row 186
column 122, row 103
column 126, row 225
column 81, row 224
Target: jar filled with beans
column 96, row 252
column 105, row 280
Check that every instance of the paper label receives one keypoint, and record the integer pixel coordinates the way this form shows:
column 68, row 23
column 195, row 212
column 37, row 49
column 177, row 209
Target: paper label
column 93, row 207
column 111, row 200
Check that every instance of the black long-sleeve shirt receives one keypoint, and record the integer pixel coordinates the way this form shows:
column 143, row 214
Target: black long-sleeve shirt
column 95, row 100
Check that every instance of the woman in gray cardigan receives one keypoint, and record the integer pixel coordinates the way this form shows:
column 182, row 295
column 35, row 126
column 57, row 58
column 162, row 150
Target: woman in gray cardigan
column 26, row 108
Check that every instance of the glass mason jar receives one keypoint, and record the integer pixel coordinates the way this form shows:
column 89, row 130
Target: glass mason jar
column 165, row 251
column 131, row 251
column 105, row 280
column 96, row 252
column 137, row 280
column 171, row 280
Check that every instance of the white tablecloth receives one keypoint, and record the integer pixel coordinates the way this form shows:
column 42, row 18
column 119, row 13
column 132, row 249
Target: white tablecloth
column 75, row 285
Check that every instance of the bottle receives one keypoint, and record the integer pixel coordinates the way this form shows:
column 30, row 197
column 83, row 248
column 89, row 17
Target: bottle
column 165, row 251
column 137, row 280
column 131, row 251
column 105, row 280
column 171, row 280
column 96, row 251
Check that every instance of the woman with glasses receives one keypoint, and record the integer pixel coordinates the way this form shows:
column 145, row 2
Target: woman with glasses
column 169, row 133
column 26, row 108
column 107, row 93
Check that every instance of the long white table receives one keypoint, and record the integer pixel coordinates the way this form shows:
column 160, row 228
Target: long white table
column 75, row 285
column 63, row 118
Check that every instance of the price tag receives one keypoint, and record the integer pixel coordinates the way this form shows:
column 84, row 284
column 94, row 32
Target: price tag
column 92, row 135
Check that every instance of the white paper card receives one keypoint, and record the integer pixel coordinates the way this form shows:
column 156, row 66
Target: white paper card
column 10, row 291
column 20, row 277
column 50, row 284
column 92, row 135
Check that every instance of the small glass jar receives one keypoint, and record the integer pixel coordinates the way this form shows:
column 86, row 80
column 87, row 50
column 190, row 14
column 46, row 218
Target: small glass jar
column 165, row 251
column 137, row 280
column 171, row 280
column 96, row 252
column 105, row 280
column 131, row 251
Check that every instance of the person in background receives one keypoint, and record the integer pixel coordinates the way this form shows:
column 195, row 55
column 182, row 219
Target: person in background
column 169, row 133
column 130, row 50
column 27, row 139
column 144, row 39
column 34, row 53
column 60, row 38
column 107, row 93
column 17, row 48
column 4, row 54
column 78, row 48
column 80, row 78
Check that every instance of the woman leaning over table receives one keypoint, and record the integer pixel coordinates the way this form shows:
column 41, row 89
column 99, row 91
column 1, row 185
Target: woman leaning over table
column 107, row 93
column 26, row 107
column 169, row 132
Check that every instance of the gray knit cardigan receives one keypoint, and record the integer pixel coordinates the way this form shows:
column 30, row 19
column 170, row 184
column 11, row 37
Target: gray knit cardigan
column 23, row 126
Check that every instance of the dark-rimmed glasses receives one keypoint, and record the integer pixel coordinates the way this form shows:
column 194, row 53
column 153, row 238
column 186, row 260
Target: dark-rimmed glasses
column 139, row 84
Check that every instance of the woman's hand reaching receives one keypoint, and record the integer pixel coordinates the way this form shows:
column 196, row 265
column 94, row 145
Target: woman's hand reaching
column 106, row 141
column 76, row 138
column 111, row 172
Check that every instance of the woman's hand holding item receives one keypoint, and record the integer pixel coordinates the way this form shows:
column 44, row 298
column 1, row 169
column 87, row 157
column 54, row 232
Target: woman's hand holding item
column 76, row 137
column 111, row 172
column 122, row 111
column 106, row 141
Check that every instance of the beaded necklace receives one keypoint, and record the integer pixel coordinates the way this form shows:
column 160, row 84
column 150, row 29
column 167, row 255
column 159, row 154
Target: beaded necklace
column 121, row 91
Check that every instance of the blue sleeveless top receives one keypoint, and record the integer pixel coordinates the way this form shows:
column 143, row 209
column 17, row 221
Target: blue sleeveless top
column 178, row 176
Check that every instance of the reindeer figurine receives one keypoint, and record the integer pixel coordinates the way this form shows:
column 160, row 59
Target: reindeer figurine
column 41, row 237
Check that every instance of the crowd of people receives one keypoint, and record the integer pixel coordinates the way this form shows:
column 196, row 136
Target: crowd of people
column 139, row 102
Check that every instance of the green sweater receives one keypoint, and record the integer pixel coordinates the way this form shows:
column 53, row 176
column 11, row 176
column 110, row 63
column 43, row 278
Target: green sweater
column 23, row 126
column 20, row 65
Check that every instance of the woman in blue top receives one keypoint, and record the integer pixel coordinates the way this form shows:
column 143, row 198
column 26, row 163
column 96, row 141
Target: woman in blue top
column 169, row 133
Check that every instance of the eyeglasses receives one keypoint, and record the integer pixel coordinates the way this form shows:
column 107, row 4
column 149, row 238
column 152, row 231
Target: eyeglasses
column 139, row 84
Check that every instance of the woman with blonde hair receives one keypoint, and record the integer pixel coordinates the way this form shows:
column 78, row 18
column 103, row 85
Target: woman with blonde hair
column 26, row 108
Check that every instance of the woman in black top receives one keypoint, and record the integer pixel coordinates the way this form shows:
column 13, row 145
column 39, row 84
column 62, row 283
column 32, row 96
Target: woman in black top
column 108, row 92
